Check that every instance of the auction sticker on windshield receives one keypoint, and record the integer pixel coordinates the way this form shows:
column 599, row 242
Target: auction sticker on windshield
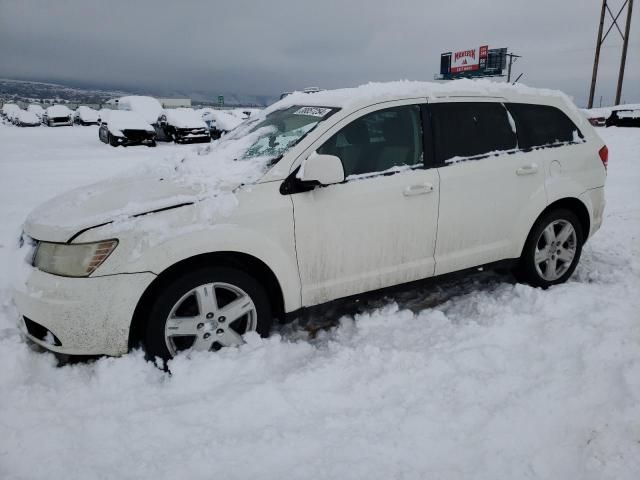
column 312, row 111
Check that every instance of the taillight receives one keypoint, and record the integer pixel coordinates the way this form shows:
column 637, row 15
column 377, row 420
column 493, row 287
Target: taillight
column 604, row 156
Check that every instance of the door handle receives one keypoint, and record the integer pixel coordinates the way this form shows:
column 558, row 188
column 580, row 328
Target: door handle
column 527, row 169
column 420, row 189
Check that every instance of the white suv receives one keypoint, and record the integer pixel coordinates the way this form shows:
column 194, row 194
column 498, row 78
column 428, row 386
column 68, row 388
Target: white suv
column 321, row 197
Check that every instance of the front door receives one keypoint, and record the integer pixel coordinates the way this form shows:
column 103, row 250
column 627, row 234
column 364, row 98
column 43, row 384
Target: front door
column 378, row 228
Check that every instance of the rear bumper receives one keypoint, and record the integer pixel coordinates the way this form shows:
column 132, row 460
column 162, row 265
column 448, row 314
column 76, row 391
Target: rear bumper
column 85, row 316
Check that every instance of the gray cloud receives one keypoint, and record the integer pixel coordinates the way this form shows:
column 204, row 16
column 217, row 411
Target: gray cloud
column 265, row 48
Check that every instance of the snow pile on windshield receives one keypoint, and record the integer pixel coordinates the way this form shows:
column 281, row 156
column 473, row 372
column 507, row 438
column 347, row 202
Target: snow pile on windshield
column 119, row 120
column 147, row 107
column 58, row 111
column 184, row 118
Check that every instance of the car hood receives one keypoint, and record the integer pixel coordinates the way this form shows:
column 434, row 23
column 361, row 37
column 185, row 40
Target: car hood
column 67, row 215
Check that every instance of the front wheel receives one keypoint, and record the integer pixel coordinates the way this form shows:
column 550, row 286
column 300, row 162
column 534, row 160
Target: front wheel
column 206, row 310
column 552, row 250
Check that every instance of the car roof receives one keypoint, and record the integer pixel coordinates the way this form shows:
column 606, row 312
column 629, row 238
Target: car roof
column 372, row 93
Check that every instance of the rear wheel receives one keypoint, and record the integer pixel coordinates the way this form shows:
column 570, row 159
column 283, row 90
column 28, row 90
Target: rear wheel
column 552, row 250
column 206, row 310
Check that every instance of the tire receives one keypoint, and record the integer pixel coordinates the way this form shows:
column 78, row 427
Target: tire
column 113, row 141
column 167, row 333
column 152, row 143
column 548, row 258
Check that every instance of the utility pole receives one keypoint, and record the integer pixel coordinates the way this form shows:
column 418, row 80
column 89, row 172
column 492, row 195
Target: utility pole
column 600, row 40
column 511, row 61
column 623, row 60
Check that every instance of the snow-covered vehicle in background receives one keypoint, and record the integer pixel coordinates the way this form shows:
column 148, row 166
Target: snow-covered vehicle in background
column 8, row 109
column 57, row 115
column 25, row 118
column 628, row 117
column 219, row 122
column 124, row 128
column 36, row 109
column 85, row 116
column 184, row 125
column 148, row 108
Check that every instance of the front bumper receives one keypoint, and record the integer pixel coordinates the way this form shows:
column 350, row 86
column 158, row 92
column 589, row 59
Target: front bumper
column 86, row 316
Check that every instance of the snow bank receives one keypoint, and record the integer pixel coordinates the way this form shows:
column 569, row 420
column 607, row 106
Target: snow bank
column 478, row 378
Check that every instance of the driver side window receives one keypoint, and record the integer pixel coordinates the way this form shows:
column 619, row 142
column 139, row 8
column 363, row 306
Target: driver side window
column 378, row 141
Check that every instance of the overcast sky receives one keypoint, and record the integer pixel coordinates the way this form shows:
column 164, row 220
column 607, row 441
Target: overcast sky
column 266, row 47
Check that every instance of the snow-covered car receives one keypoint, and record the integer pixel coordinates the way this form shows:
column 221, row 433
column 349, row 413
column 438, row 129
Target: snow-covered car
column 36, row 109
column 57, row 115
column 24, row 118
column 85, row 116
column 8, row 109
column 319, row 197
column 219, row 122
column 123, row 128
column 184, row 125
column 624, row 118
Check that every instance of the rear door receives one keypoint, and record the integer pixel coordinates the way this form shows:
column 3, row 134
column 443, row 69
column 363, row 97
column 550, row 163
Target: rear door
column 489, row 189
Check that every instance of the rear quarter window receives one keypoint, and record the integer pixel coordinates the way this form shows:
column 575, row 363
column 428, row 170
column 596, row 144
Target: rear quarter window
column 542, row 125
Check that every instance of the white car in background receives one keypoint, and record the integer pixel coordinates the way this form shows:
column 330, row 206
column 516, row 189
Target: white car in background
column 24, row 118
column 183, row 125
column 8, row 109
column 219, row 122
column 36, row 109
column 320, row 197
column 85, row 116
column 57, row 115
column 125, row 128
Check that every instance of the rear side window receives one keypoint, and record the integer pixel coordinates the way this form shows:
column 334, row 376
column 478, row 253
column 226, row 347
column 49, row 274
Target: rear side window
column 469, row 129
column 542, row 125
column 379, row 141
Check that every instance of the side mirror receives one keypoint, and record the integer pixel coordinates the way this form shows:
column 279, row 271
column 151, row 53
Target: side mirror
column 321, row 169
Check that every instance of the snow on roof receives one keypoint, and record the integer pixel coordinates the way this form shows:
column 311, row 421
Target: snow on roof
column 37, row 109
column 119, row 120
column 184, row 118
column 8, row 107
column 148, row 107
column 58, row 111
column 377, row 92
column 222, row 120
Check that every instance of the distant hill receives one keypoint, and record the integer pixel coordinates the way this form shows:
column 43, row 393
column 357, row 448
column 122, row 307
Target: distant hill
column 45, row 92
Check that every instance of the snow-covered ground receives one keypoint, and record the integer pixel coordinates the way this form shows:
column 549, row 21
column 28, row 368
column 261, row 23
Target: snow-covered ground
column 481, row 378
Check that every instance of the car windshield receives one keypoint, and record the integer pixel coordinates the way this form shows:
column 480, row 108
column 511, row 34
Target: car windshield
column 283, row 129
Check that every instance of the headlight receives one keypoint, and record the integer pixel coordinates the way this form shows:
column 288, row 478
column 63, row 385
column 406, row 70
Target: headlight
column 72, row 260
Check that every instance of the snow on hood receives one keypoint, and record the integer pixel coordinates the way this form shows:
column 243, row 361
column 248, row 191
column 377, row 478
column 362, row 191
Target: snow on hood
column 206, row 178
column 147, row 107
column 119, row 120
column 184, row 118
column 58, row 111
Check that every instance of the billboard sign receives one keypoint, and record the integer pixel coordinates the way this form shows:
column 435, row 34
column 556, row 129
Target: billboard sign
column 475, row 62
column 469, row 60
